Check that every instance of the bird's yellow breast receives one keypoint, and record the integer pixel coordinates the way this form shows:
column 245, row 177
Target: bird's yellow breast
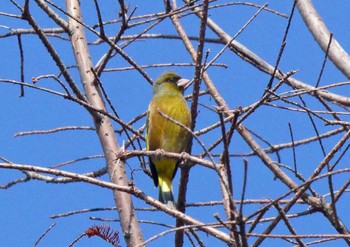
column 163, row 133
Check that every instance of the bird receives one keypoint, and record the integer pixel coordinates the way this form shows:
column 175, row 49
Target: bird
column 166, row 110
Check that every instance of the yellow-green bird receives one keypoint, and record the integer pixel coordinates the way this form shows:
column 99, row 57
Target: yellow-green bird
column 165, row 134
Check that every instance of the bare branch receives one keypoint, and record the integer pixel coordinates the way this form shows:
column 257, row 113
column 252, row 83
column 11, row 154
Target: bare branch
column 116, row 168
column 322, row 35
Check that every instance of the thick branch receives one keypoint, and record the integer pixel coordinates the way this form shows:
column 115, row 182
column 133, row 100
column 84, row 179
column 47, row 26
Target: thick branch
column 104, row 129
column 318, row 28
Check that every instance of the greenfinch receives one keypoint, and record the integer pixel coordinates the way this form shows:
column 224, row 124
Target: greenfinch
column 167, row 104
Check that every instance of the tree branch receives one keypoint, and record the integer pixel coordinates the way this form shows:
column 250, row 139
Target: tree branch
column 322, row 35
column 116, row 168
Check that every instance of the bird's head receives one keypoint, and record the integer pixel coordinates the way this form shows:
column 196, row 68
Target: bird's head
column 170, row 81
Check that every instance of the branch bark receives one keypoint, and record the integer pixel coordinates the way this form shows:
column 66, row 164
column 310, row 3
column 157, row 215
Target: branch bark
column 104, row 129
column 322, row 35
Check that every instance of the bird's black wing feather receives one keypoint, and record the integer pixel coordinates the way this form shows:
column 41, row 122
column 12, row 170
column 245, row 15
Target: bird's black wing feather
column 154, row 172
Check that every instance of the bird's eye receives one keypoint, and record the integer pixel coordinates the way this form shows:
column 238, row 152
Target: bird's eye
column 174, row 79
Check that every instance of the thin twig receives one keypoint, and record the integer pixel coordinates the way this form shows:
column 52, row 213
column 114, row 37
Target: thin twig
column 44, row 234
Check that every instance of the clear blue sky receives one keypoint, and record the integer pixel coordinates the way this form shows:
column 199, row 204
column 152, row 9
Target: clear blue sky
column 26, row 208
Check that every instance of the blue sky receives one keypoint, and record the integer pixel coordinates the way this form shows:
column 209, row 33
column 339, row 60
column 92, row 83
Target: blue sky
column 26, row 208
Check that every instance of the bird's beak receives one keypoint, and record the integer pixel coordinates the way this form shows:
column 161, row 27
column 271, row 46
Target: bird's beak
column 185, row 83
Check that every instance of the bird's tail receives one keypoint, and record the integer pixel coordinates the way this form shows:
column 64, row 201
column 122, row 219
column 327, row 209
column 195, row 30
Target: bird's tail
column 166, row 193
